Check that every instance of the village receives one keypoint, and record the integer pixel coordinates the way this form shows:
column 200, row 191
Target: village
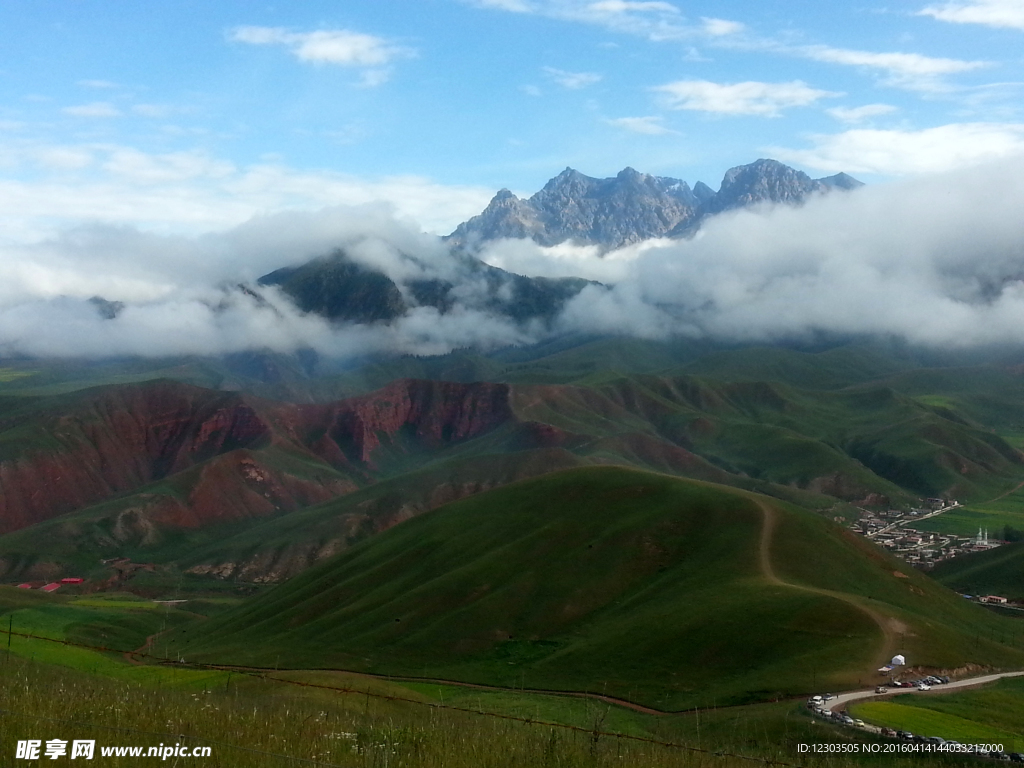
column 894, row 530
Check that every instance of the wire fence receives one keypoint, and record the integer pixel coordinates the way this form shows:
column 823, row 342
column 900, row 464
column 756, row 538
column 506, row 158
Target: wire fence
column 262, row 674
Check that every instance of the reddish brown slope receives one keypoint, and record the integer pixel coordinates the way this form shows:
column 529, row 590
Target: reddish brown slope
column 113, row 440
column 431, row 413
column 117, row 439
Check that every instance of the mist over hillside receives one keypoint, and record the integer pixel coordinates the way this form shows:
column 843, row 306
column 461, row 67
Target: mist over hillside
column 936, row 261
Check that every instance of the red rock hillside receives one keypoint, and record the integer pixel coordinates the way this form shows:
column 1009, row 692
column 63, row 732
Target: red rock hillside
column 103, row 442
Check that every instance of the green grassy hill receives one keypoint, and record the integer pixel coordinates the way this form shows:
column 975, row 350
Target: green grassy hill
column 643, row 586
column 999, row 571
column 854, row 424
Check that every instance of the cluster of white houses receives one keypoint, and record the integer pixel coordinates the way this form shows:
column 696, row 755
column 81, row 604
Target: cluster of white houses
column 892, row 529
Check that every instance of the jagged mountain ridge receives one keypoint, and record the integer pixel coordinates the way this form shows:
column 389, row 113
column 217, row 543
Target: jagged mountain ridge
column 633, row 206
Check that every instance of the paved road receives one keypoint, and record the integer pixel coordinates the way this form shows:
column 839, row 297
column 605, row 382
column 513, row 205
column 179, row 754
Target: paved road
column 845, row 698
column 910, row 520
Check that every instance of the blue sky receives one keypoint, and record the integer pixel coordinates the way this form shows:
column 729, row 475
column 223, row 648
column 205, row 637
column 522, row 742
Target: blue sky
column 194, row 116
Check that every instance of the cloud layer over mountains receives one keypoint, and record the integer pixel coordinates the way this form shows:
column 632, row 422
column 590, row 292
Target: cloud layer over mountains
column 937, row 260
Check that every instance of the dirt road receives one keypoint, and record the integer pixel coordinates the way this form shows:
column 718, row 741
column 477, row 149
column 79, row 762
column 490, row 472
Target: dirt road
column 891, row 628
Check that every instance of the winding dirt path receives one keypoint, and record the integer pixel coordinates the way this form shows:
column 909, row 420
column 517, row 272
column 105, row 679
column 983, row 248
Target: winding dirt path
column 142, row 649
column 891, row 627
column 1004, row 495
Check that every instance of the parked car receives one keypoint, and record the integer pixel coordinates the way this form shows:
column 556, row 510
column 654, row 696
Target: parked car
column 859, row 723
column 905, row 735
column 881, row 689
column 999, row 755
column 943, row 679
column 1017, row 757
column 924, row 687
column 886, row 731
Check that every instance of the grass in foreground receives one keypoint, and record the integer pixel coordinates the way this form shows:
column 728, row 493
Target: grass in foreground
column 251, row 723
column 993, row 714
column 266, row 721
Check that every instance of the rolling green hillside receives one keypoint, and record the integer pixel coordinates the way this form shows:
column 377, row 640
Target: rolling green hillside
column 847, row 443
column 850, row 425
column 669, row 592
column 999, row 571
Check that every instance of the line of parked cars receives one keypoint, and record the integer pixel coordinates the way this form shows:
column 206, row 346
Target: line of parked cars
column 817, row 705
column 924, row 684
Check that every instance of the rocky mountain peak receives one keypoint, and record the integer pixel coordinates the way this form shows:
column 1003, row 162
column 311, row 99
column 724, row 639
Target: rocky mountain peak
column 841, row 181
column 634, row 206
column 703, row 192
column 764, row 180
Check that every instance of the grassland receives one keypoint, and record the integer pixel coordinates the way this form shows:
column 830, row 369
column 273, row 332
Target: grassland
column 53, row 690
column 998, row 571
column 993, row 515
column 347, row 720
column 993, row 714
column 637, row 585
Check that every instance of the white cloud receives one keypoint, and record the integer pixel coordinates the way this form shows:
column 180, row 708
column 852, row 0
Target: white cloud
column 654, row 20
column 531, row 90
column 64, row 158
column 94, row 109
column 721, row 27
column 371, row 78
column 158, row 111
column 628, row 6
column 749, row 98
column 139, row 167
column 171, row 286
column 514, row 6
column 935, row 261
column 192, row 192
column 991, row 13
column 330, row 46
column 904, row 152
column 650, row 125
column 525, row 257
column 102, row 84
column 572, row 80
column 907, row 70
column 860, row 114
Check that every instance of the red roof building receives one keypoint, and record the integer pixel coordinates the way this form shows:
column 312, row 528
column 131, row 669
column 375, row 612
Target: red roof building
column 25, row 586
column 51, row 587
column 72, row 580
